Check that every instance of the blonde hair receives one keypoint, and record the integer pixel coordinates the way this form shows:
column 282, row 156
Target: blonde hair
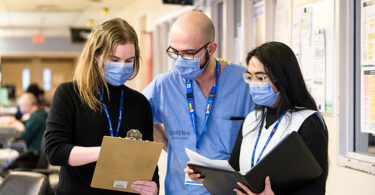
column 102, row 41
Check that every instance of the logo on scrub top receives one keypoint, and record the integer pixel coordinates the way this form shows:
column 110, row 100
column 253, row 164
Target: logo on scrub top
column 179, row 134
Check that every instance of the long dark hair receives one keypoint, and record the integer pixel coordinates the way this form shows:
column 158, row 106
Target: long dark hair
column 282, row 68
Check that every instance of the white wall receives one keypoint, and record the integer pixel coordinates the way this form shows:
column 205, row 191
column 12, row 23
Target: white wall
column 341, row 180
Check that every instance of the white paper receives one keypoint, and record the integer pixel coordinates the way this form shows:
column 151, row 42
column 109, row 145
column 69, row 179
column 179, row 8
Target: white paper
column 306, row 25
column 204, row 161
column 318, row 86
column 296, row 33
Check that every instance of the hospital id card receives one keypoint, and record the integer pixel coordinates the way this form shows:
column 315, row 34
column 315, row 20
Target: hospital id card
column 188, row 181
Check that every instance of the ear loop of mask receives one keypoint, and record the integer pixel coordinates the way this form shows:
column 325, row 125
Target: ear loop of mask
column 207, row 58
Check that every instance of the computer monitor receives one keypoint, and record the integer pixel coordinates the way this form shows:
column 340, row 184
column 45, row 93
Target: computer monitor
column 4, row 97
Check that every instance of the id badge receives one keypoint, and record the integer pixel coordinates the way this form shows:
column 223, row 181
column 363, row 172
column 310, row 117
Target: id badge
column 188, row 181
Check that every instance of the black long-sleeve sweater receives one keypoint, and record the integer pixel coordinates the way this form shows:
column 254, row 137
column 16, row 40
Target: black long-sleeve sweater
column 72, row 123
column 316, row 139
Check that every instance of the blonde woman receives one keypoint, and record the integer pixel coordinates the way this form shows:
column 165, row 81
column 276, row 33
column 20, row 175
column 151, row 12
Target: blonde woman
column 96, row 104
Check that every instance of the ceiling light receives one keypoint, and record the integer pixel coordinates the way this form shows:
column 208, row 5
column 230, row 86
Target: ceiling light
column 90, row 23
column 105, row 11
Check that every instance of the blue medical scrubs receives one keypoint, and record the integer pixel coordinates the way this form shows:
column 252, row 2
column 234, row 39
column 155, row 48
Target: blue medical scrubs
column 167, row 96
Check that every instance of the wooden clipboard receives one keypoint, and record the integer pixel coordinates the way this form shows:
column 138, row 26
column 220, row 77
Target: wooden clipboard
column 123, row 161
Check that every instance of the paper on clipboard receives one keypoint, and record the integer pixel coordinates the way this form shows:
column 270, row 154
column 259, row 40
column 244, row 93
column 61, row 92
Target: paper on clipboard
column 123, row 161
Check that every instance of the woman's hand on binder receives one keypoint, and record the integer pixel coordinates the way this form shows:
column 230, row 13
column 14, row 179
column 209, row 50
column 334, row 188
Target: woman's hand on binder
column 267, row 189
column 145, row 187
column 193, row 176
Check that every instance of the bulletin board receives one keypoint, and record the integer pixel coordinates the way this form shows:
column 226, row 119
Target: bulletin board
column 307, row 26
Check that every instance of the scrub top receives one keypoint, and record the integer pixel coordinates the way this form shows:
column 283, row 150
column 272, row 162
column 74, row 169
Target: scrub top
column 167, row 96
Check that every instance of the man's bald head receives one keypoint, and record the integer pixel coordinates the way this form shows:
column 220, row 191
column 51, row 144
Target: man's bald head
column 197, row 24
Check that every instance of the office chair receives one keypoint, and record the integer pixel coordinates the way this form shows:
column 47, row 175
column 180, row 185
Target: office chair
column 34, row 161
column 24, row 183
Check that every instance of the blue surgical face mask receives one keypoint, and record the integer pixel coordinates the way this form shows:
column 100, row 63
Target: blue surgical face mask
column 263, row 93
column 117, row 73
column 189, row 69
column 22, row 111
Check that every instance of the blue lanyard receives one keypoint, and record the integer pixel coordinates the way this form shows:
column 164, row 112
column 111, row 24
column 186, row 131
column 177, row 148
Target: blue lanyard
column 120, row 113
column 268, row 140
column 210, row 99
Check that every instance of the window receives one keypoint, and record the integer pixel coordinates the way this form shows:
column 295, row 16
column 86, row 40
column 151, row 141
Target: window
column 237, row 17
column 357, row 80
column 364, row 123
column 25, row 78
column 47, row 79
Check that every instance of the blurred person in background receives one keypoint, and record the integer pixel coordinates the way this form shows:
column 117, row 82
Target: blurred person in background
column 31, row 131
column 34, row 89
column 38, row 92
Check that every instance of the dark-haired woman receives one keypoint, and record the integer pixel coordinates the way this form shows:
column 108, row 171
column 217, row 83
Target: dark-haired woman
column 284, row 104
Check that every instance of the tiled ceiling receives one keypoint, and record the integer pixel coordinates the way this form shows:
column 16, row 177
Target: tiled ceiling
column 53, row 17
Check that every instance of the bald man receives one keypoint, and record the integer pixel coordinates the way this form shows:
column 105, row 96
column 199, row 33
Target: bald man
column 193, row 103
column 33, row 129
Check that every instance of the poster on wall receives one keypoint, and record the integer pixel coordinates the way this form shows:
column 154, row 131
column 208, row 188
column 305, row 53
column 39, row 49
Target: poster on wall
column 302, row 31
column 313, row 65
column 318, row 85
column 306, row 26
column 368, row 66
column 367, row 32
column 368, row 100
column 283, row 21
column 306, row 48
column 296, row 33
column 258, row 22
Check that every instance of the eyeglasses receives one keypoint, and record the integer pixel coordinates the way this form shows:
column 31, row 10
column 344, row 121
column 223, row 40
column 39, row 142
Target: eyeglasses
column 186, row 55
column 248, row 78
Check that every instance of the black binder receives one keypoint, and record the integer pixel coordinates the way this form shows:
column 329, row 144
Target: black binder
column 290, row 165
